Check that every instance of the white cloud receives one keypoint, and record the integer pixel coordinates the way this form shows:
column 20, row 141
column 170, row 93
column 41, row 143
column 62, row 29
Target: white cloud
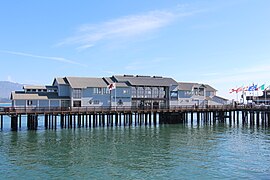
column 126, row 27
column 51, row 58
column 86, row 46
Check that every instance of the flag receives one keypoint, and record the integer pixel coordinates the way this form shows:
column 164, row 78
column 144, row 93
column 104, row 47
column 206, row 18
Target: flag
column 112, row 86
column 252, row 88
column 233, row 90
column 245, row 88
column 262, row 88
column 237, row 90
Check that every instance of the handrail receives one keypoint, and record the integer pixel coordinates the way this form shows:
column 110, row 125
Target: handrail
column 111, row 109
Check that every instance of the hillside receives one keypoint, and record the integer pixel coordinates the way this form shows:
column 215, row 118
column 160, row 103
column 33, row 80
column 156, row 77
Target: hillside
column 5, row 89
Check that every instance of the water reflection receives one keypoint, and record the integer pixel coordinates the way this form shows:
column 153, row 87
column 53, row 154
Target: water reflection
column 167, row 151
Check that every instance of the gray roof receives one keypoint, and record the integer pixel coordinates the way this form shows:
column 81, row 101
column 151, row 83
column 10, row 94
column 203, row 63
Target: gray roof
column 209, row 88
column 60, row 81
column 110, row 81
column 19, row 95
column 84, row 82
column 146, row 80
column 218, row 97
column 186, row 86
column 121, row 85
column 38, row 87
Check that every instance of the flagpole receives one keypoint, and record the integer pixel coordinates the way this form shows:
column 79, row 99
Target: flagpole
column 110, row 97
column 115, row 97
column 265, row 95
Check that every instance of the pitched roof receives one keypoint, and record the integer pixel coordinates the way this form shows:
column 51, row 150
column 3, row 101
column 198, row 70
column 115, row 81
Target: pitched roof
column 19, row 95
column 84, row 82
column 218, row 97
column 60, row 81
column 108, row 80
column 186, row 86
column 209, row 88
column 145, row 80
column 118, row 84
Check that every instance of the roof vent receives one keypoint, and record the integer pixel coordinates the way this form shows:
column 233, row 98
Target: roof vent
column 126, row 75
column 157, row 76
column 142, row 76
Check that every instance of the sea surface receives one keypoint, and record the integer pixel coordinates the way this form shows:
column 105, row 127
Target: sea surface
column 182, row 151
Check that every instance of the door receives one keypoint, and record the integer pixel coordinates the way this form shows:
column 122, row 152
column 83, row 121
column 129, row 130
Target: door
column 77, row 104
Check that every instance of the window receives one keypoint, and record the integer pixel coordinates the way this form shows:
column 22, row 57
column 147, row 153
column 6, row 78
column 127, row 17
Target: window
column 101, row 91
column 77, row 93
column 134, row 92
column 201, row 91
column 195, row 90
column 77, row 103
column 105, row 91
column 148, row 92
column 155, row 92
column 140, row 91
column 174, row 94
column 29, row 102
column 96, row 101
column 161, row 92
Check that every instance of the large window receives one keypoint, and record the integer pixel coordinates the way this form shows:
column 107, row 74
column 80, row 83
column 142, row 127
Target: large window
column 148, row 92
column 174, row 95
column 155, row 91
column 101, row 91
column 77, row 93
column 140, row 92
column 162, row 92
column 134, row 92
column 201, row 91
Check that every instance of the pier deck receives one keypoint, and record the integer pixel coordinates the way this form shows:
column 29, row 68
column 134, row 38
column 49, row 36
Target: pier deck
column 117, row 116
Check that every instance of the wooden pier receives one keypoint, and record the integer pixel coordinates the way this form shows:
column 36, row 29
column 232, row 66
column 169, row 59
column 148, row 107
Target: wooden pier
column 85, row 117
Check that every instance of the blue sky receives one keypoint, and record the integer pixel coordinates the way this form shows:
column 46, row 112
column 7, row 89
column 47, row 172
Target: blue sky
column 222, row 43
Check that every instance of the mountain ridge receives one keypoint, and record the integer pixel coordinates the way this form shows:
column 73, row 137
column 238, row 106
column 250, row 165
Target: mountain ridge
column 6, row 87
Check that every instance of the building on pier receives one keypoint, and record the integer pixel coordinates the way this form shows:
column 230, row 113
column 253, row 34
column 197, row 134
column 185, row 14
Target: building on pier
column 195, row 94
column 263, row 98
column 38, row 96
column 129, row 91
column 147, row 91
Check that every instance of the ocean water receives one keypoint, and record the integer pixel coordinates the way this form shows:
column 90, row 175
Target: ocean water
column 178, row 151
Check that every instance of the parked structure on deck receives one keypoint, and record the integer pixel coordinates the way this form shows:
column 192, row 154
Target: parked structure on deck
column 117, row 91
column 263, row 99
column 198, row 95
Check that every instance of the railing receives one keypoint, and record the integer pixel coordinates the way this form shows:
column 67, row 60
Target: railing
column 107, row 109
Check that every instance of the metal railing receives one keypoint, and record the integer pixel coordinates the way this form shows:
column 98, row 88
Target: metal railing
column 108, row 109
